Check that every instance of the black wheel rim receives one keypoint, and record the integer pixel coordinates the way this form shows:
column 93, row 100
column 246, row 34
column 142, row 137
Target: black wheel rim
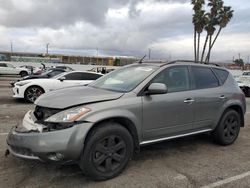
column 109, row 154
column 33, row 93
column 231, row 127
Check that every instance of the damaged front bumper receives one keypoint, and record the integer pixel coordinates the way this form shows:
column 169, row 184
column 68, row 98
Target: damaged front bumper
column 28, row 141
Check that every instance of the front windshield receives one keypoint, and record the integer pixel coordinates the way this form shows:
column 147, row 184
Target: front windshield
column 124, row 79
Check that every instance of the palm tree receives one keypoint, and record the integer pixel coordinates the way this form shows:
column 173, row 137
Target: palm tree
column 218, row 17
column 198, row 21
column 225, row 15
column 213, row 21
column 206, row 21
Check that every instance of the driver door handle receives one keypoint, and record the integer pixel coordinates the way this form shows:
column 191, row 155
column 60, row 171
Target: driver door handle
column 188, row 101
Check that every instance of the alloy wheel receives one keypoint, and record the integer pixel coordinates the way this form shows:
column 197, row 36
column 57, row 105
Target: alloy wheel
column 33, row 93
column 109, row 153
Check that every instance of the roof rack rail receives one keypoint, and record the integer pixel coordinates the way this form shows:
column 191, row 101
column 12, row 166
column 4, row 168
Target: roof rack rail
column 191, row 61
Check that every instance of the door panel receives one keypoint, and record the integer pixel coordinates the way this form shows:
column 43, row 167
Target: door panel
column 208, row 96
column 167, row 114
column 171, row 113
column 207, row 105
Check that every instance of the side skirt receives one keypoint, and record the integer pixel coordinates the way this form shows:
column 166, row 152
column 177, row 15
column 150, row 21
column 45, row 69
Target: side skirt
column 172, row 137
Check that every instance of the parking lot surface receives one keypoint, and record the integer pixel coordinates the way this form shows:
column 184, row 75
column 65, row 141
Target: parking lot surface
column 186, row 162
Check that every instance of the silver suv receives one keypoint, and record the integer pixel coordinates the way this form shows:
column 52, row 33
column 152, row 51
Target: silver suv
column 101, row 125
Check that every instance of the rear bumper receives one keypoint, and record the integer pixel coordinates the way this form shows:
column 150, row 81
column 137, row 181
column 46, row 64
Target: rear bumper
column 67, row 143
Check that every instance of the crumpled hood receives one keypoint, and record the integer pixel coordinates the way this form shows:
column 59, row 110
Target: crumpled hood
column 73, row 96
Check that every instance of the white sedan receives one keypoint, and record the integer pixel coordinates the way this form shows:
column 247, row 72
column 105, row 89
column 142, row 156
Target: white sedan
column 9, row 69
column 30, row 90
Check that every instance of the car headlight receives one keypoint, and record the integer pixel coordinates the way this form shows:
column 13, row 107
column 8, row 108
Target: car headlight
column 68, row 116
column 21, row 83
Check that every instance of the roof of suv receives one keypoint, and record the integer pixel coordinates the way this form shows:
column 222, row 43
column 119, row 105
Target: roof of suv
column 160, row 63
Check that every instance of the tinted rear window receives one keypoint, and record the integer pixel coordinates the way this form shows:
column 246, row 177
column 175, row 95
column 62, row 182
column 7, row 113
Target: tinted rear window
column 222, row 74
column 204, row 78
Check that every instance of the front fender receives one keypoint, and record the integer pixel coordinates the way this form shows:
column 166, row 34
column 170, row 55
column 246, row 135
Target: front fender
column 116, row 113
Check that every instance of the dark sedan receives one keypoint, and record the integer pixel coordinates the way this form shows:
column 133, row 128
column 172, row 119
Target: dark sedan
column 48, row 74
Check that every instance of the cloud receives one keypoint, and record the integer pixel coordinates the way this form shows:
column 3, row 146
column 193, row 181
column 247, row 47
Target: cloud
column 54, row 13
column 115, row 27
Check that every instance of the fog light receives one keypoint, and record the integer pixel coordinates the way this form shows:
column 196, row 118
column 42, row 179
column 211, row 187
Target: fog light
column 55, row 156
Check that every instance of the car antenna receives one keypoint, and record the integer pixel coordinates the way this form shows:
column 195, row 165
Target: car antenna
column 140, row 61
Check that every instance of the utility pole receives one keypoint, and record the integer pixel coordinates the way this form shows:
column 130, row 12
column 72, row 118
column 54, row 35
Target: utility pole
column 247, row 59
column 97, row 56
column 11, row 47
column 149, row 53
column 239, row 55
column 47, row 48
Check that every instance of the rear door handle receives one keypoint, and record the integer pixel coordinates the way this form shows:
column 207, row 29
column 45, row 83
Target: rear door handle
column 189, row 101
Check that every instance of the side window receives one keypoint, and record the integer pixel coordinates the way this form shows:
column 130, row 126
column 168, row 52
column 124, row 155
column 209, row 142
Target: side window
column 74, row 76
column 9, row 65
column 54, row 73
column 222, row 74
column 175, row 78
column 3, row 65
column 90, row 76
column 204, row 78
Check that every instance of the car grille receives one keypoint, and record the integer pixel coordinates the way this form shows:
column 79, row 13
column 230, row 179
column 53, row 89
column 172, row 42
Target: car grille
column 42, row 113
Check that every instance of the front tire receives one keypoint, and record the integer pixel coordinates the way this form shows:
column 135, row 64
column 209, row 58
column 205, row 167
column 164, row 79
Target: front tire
column 32, row 93
column 228, row 128
column 107, row 151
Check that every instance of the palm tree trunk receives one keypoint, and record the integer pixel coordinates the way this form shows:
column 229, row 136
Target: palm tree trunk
column 204, row 48
column 195, row 45
column 198, row 47
column 216, row 37
column 209, row 51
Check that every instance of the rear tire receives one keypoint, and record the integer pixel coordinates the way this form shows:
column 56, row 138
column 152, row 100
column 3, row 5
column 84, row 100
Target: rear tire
column 32, row 93
column 23, row 73
column 228, row 128
column 107, row 151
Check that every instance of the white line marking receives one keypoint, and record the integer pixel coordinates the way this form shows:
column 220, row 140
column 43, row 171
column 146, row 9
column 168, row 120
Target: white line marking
column 228, row 180
column 3, row 134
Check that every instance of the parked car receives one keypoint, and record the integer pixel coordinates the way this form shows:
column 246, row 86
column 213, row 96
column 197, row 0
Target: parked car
column 32, row 69
column 48, row 74
column 9, row 69
column 101, row 125
column 244, row 83
column 31, row 89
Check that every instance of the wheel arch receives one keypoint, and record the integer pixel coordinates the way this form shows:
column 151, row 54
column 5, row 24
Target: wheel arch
column 34, row 86
column 23, row 71
column 236, row 108
column 123, row 121
column 239, row 110
column 24, row 94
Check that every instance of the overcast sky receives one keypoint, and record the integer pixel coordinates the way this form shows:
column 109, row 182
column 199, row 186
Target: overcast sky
column 116, row 27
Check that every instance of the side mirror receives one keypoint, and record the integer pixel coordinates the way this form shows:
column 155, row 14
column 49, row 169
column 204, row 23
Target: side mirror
column 157, row 88
column 62, row 78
